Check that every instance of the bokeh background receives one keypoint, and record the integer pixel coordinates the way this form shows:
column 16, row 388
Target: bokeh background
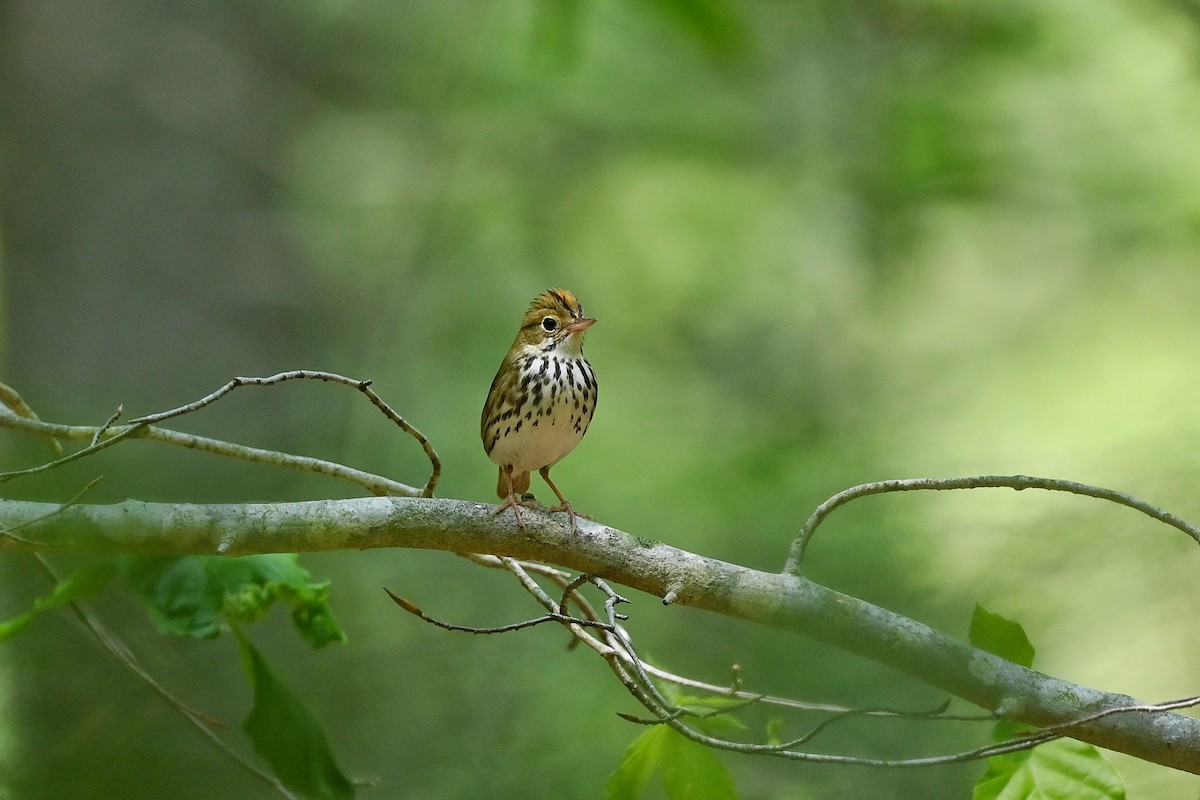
column 826, row 242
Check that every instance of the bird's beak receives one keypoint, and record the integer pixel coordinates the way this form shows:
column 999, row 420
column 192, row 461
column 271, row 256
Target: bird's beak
column 580, row 325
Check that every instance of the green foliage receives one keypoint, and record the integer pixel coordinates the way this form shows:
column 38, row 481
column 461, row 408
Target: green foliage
column 692, row 771
column 689, row 770
column 287, row 734
column 84, row 583
column 641, row 759
column 1063, row 769
column 199, row 595
column 195, row 595
column 1000, row 636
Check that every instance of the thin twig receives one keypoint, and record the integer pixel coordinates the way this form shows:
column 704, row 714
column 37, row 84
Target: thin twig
column 986, row 751
column 853, row 713
column 15, row 403
column 103, row 429
column 413, row 609
column 73, row 501
column 616, row 650
column 59, row 431
column 107, row 435
column 363, row 386
column 682, row 711
column 1017, row 482
column 635, row 675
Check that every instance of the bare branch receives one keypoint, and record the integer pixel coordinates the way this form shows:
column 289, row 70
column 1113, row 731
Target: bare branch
column 787, row 601
column 107, row 435
column 103, row 429
column 621, row 657
column 15, row 403
column 415, row 610
column 309, row 374
column 1018, row 482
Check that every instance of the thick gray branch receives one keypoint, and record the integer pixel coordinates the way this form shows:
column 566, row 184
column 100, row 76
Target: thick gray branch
column 784, row 601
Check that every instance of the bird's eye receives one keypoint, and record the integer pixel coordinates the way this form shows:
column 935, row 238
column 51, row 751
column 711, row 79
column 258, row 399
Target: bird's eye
column 550, row 324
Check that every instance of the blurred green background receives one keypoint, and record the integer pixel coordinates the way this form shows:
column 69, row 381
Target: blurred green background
column 826, row 242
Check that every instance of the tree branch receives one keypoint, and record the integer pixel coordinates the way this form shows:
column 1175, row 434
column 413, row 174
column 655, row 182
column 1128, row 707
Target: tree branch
column 1017, row 482
column 789, row 602
column 16, row 414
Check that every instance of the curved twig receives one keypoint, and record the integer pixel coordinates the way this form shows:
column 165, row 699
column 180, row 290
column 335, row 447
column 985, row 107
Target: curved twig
column 108, row 434
column 633, row 673
column 986, row 751
column 363, row 386
column 415, row 610
column 1017, row 482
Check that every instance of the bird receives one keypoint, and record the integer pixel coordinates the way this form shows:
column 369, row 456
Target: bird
column 541, row 401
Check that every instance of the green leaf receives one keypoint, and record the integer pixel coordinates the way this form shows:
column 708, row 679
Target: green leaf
column 177, row 594
column 1063, row 769
column 86, row 582
column 689, row 770
column 692, row 771
column 642, row 757
column 1000, row 636
column 287, row 734
column 195, row 595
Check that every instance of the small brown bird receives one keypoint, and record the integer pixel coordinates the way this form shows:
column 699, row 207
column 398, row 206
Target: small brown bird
column 541, row 400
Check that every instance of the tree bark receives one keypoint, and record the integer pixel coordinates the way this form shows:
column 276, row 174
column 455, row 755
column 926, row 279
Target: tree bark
column 783, row 601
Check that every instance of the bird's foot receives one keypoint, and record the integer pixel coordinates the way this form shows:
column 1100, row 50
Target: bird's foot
column 527, row 500
column 571, row 513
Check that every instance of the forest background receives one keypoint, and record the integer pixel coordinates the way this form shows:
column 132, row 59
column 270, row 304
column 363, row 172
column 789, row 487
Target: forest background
column 826, row 243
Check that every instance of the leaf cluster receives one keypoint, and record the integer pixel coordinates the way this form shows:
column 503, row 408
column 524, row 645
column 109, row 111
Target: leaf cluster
column 204, row 596
column 1063, row 769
